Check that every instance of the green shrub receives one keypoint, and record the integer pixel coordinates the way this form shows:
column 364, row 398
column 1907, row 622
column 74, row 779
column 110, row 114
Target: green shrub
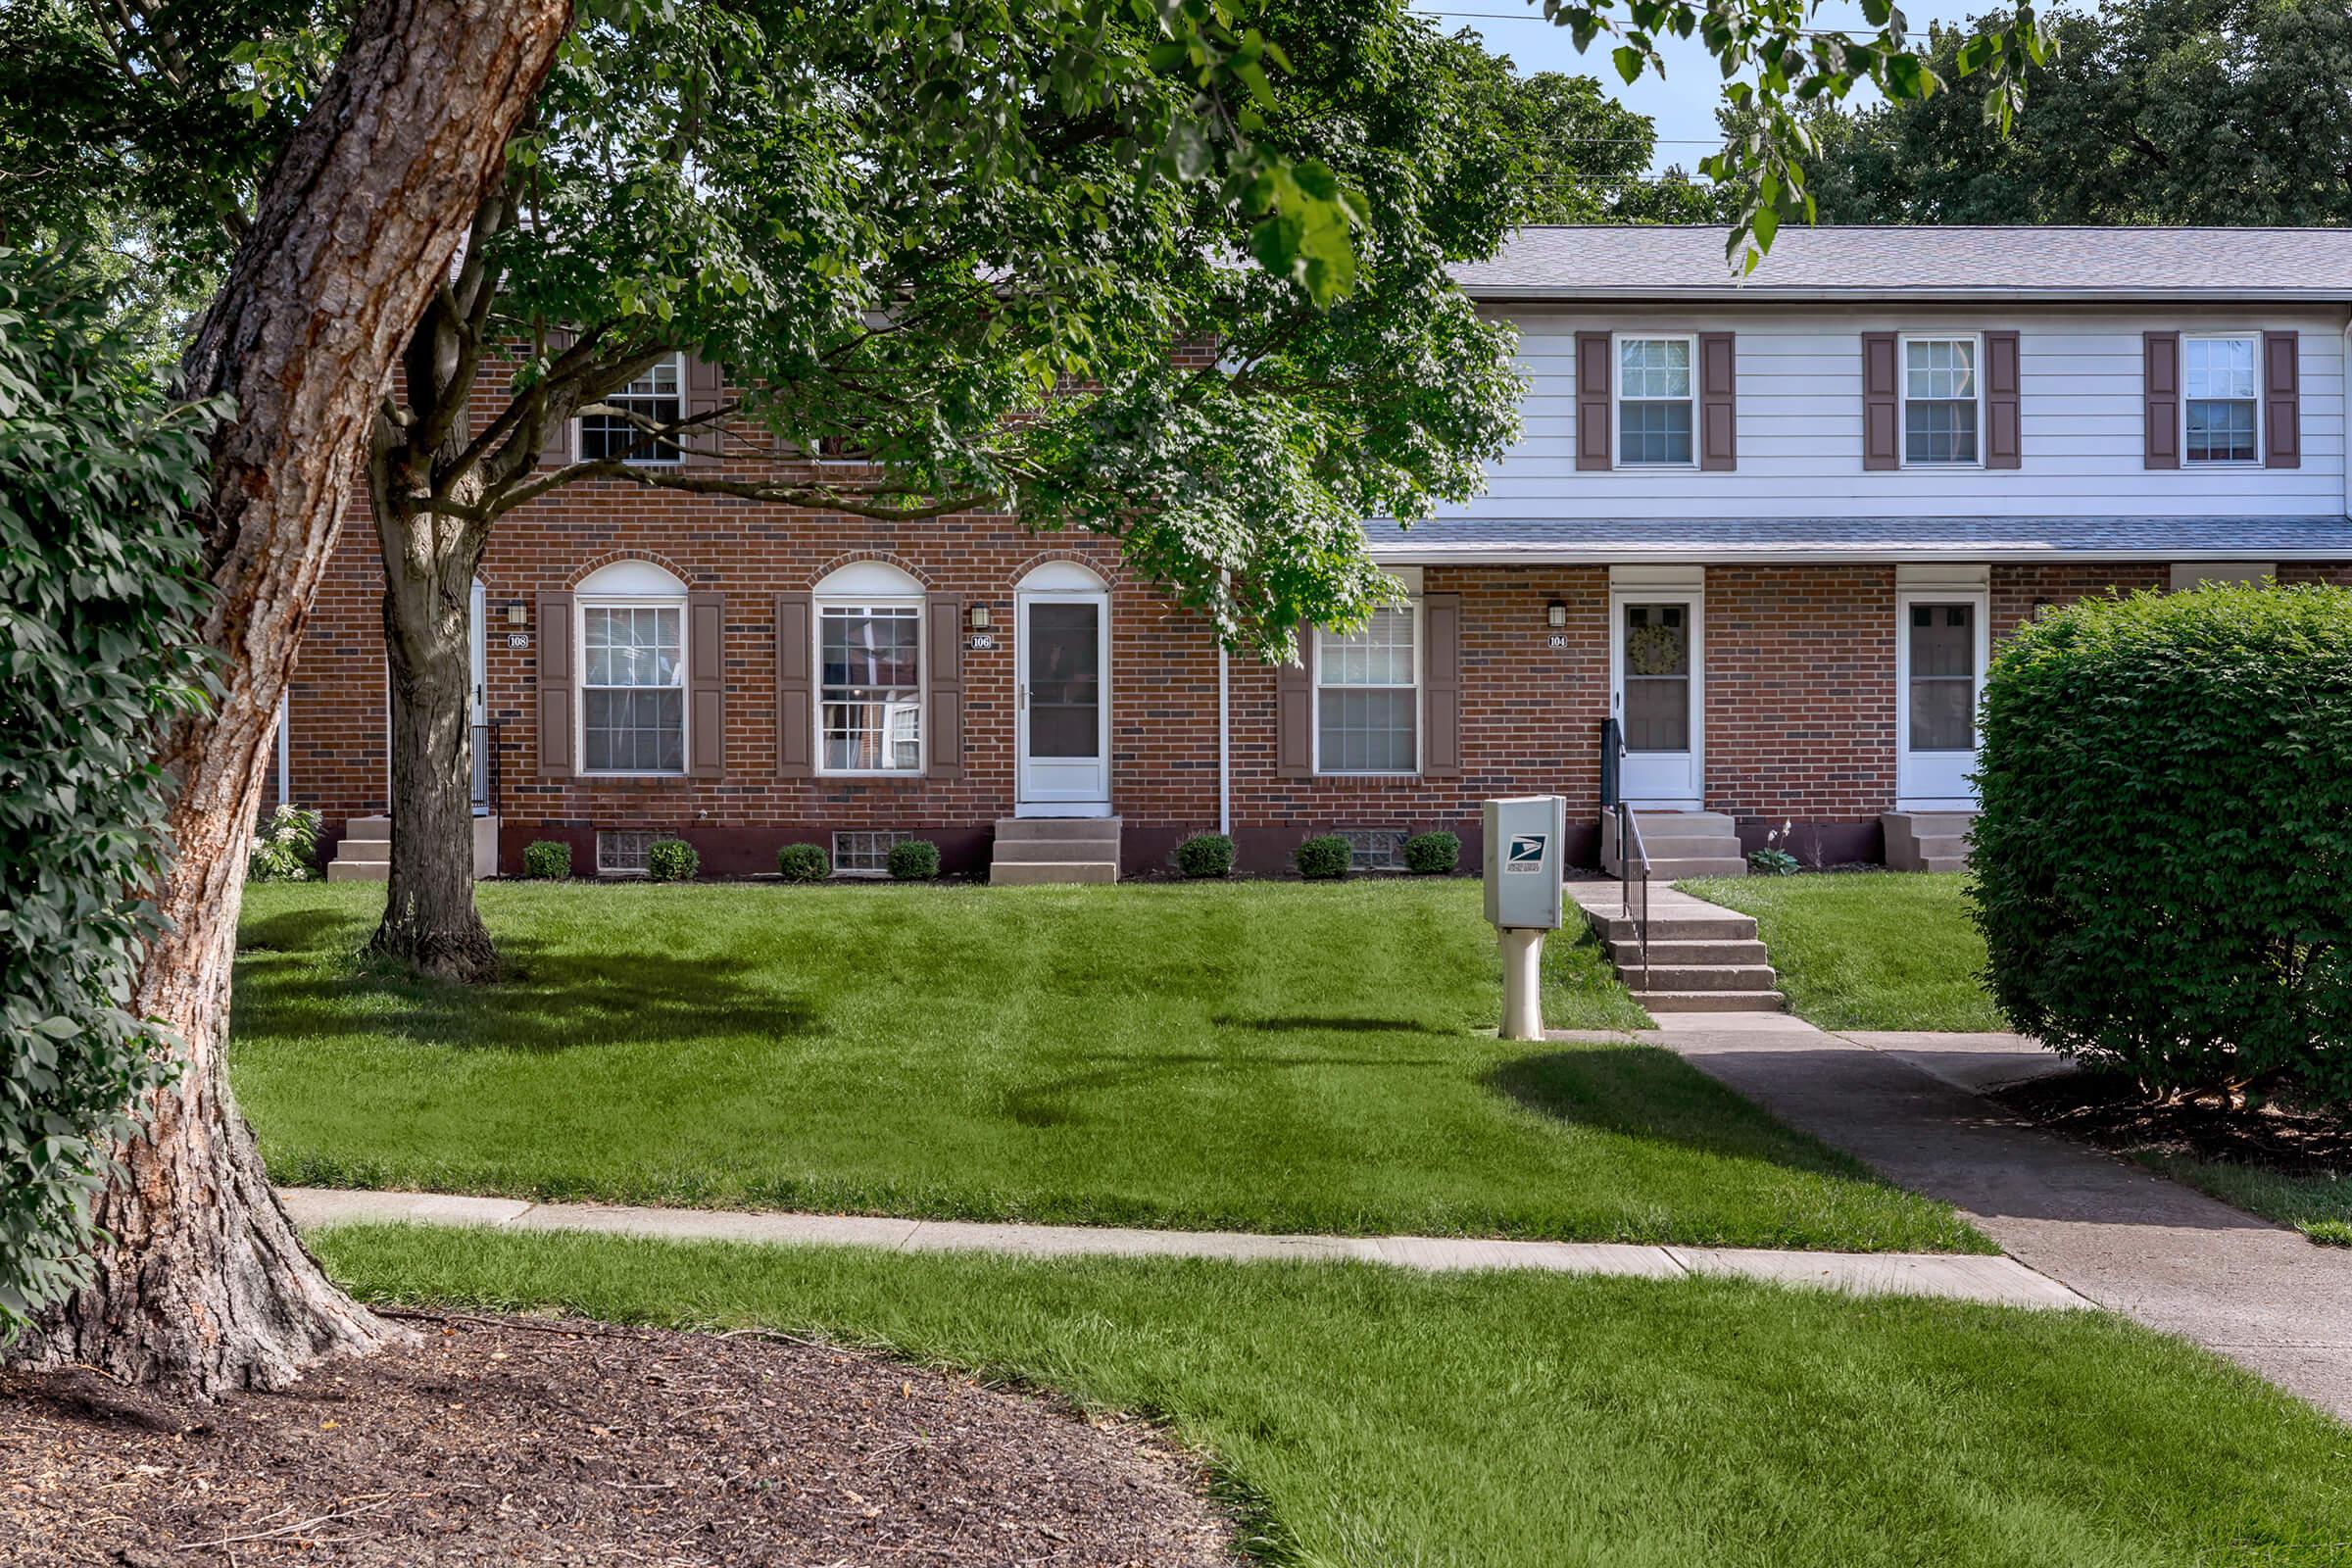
column 1206, row 854
column 1431, row 854
column 2164, row 860
column 549, row 859
column 671, row 860
column 1324, row 859
column 804, row 863
column 913, row 860
column 286, row 847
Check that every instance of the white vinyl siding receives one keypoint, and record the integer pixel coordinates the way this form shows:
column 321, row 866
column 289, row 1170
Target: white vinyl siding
column 1800, row 383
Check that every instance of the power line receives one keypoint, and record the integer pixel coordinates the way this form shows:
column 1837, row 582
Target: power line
column 1537, row 16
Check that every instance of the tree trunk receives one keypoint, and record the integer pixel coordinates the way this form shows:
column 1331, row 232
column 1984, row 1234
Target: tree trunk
column 202, row 1284
column 429, row 919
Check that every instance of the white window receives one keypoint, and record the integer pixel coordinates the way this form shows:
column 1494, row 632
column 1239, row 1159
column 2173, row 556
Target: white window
column 1368, row 694
column 1941, row 398
column 1374, row 848
column 655, row 396
column 865, row 854
column 869, row 660
column 2220, row 410
column 632, row 664
column 622, row 854
column 1656, row 408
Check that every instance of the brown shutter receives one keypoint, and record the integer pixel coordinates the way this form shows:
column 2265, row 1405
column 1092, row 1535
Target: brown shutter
column 2004, row 443
column 704, row 389
column 1718, row 402
column 555, row 446
column 1442, row 685
column 1882, row 402
column 2282, row 402
column 2161, row 386
column 1294, row 712
column 1592, row 400
column 796, row 690
column 943, row 750
column 555, row 686
column 707, row 685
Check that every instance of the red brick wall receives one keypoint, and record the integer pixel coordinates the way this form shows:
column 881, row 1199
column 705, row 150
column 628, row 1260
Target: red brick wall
column 2016, row 590
column 1800, row 692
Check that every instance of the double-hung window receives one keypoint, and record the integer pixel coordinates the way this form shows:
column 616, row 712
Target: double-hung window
column 2219, row 402
column 632, row 686
column 1942, row 402
column 871, row 707
column 1656, row 406
column 653, row 398
column 1368, row 694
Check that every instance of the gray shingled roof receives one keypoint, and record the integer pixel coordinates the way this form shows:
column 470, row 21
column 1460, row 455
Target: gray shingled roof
column 1973, row 539
column 1688, row 263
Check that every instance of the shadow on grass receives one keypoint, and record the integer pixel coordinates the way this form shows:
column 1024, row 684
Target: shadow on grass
column 1349, row 1026
column 546, row 999
column 1646, row 1091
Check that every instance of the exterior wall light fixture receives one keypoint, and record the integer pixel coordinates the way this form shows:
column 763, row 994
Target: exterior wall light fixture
column 1555, row 614
column 518, row 614
column 979, row 617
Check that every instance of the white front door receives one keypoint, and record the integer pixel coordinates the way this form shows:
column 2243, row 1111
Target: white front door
column 1941, row 645
column 1063, row 642
column 478, row 693
column 1658, row 691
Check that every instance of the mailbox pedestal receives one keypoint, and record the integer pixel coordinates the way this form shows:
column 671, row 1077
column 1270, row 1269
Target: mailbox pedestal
column 1524, row 858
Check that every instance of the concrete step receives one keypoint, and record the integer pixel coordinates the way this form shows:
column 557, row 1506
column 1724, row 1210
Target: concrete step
column 1024, row 829
column 1926, row 823
column 1031, row 873
column 1950, row 845
column 1673, row 977
column 369, row 828
column 1712, row 1001
column 364, row 850
column 359, row 871
column 1010, row 851
column 1725, row 950
column 1944, row 862
column 1680, row 928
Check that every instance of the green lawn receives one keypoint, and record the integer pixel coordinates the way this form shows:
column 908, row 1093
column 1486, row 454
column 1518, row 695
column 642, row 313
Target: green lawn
column 1374, row 1418
column 1869, row 951
column 1275, row 1057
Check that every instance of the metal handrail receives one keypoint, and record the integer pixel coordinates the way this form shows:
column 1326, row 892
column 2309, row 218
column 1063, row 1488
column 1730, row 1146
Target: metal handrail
column 1630, row 852
column 485, row 781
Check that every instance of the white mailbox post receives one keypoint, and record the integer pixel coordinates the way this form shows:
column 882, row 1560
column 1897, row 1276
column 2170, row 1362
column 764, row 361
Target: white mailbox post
column 1525, row 839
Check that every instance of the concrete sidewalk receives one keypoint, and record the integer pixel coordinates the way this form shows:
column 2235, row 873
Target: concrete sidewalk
column 2001, row 1281
column 2128, row 1239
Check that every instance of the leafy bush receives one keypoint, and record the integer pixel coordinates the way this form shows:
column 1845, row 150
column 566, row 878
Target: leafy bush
column 2164, row 858
column 1772, row 862
column 286, row 847
column 804, row 863
column 913, row 860
column 99, row 595
column 1431, row 854
column 1206, row 854
column 1325, row 858
column 549, row 859
column 671, row 860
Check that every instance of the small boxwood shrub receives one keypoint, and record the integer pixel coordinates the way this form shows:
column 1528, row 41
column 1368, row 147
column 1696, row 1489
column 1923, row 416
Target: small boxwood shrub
column 1206, row 854
column 804, row 863
column 913, row 860
column 1324, row 859
column 669, row 861
column 1431, row 854
column 548, row 859
column 2163, row 864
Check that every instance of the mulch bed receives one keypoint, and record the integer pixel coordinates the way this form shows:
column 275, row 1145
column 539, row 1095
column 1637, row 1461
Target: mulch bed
column 512, row 1442
column 2112, row 1114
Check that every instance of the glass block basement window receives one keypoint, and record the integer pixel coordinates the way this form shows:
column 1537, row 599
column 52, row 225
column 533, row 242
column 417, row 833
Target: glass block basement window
column 622, row 854
column 1375, row 848
column 865, row 854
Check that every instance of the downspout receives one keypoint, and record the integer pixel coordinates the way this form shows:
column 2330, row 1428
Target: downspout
column 1224, row 741
column 2346, row 380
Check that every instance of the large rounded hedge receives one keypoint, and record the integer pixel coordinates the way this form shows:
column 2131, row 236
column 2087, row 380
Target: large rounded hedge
column 2164, row 858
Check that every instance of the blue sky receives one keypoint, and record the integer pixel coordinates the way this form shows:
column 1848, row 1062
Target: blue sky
column 1683, row 103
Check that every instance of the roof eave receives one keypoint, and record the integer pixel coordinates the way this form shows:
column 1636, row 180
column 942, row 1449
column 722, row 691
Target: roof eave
column 1734, row 294
column 1598, row 555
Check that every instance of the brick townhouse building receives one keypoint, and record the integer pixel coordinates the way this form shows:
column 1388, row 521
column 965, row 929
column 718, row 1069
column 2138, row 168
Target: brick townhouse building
column 1774, row 527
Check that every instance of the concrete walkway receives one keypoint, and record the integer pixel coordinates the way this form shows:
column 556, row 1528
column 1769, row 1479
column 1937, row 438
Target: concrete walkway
column 1910, row 1106
column 2001, row 1281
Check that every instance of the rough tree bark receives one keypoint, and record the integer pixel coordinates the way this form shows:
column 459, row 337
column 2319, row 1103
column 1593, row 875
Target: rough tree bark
column 203, row 1285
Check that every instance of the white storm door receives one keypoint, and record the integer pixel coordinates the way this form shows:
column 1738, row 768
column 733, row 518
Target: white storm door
column 1940, row 648
column 1064, row 702
column 1658, row 691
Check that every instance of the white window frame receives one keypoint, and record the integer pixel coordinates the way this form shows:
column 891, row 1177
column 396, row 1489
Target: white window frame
column 1420, row 702
column 1902, row 402
column 851, row 596
column 582, row 603
column 2244, row 335
column 1617, row 340
column 677, row 457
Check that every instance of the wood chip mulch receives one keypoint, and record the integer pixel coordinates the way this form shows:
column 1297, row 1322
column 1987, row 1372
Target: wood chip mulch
column 537, row 1442
column 2112, row 1114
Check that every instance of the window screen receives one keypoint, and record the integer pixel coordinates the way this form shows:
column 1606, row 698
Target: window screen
column 2217, row 383
column 872, row 709
column 632, row 689
column 654, row 397
column 1367, row 697
column 1943, row 677
column 1654, row 413
column 1940, row 400
column 1657, row 677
